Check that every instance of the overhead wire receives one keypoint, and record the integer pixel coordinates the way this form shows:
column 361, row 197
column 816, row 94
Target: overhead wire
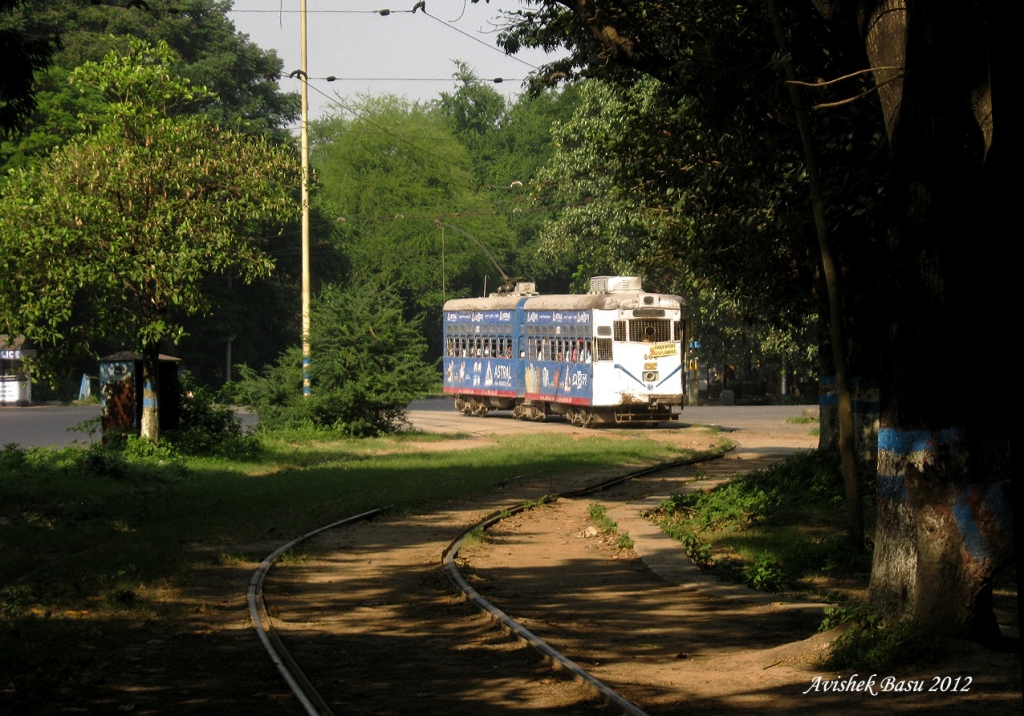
column 478, row 40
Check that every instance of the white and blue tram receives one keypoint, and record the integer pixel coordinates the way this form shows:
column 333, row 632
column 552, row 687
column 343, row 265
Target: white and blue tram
column 613, row 355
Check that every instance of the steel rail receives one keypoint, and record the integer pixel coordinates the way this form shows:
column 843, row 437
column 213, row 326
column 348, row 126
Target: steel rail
column 307, row 695
column 561, row 661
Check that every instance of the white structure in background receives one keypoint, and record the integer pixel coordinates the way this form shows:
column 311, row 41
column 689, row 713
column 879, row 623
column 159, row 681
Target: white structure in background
column 15, row 384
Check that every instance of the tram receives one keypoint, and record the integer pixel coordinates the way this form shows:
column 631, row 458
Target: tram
column 612, row 355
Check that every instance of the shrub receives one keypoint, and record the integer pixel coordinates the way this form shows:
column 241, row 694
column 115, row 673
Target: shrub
column 367, row 365
column 208, row 428
column 765, row 574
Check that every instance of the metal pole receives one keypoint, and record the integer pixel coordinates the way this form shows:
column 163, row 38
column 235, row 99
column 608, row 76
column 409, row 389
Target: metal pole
column 306, row 387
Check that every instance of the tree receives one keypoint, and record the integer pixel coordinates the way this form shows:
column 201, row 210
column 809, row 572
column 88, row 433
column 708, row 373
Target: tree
column 118, row 228
column 945, row 517
column 368, row 366
column 385, row 179
column 508, row 144
column 22, row 54
column 242, row 77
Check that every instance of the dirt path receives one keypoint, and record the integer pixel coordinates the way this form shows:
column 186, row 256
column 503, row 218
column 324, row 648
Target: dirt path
column 368, row 613
column 693, row 646
column 374, row 622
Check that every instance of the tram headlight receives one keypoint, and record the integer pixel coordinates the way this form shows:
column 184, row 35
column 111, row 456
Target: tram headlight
column 650, row 376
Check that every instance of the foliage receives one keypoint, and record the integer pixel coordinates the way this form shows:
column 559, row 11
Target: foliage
column 508, row 143
column 367, row 365
column 765, row 574
column 397, row 184
column 756, row 496
column 686, row 167
column 209, row 428
column 837, row 616
column 767, row 515
column 23, row 54
column 133, row 460
column 209, row 53
column 386, row 177
column 599, row 516
column 646, row 187
column 118, row 228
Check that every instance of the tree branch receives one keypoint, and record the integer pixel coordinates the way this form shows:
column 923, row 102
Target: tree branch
column 850, row 100
column 826, row 83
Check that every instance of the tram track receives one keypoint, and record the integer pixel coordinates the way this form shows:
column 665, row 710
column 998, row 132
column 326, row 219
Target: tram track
column 305, row 691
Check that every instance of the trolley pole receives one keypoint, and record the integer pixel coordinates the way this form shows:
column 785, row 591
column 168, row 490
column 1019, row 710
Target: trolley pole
column 306, row 358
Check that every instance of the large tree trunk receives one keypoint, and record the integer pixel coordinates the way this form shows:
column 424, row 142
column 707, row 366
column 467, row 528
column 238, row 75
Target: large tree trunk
column 945, row 520
column 150, row 428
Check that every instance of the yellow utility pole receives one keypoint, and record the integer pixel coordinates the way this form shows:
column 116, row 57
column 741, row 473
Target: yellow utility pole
column 306, row 358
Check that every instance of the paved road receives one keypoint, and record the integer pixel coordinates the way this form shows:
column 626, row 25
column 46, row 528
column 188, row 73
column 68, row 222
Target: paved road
column 38, row 426
column 43, row 425
column 439, row 414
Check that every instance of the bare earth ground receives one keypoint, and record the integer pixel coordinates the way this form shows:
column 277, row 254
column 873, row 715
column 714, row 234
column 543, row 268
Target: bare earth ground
column 375, row 624
column 382, row 633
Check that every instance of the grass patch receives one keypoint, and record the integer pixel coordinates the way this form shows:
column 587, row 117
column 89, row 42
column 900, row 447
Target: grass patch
column 104, row 547
column 70, row 516
column 869, row 643
column 801, row 420
column 599, row 516
column 475, row 537
column 774, row 529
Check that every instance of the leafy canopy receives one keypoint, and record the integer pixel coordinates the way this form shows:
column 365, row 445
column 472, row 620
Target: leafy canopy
column 386, row 176
column 118, row 227
column 208, row 51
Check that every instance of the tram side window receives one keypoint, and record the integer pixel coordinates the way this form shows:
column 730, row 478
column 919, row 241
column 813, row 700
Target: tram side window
column 604, row 349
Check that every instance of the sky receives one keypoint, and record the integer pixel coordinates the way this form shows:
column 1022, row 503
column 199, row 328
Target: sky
column 403, row 53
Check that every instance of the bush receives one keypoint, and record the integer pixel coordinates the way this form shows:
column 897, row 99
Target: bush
column 208, row 428
column 367, row 365
column 765, row 574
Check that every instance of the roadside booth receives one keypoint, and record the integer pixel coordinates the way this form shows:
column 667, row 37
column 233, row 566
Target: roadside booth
column 121, row 393
column 15, row 382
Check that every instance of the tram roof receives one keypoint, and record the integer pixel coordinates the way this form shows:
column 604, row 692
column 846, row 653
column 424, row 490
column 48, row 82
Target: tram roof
column 569, row 302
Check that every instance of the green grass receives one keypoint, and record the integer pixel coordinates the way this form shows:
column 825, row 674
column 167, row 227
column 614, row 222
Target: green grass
column 599, row 516
column 87, row 524
column 772, row 529
column 801, row 420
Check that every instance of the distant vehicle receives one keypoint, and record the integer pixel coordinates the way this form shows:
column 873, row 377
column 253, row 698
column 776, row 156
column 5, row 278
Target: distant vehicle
column 613, row 355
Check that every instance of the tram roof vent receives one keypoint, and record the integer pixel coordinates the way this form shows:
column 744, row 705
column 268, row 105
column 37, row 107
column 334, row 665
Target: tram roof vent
column 615, row 284
column 526, row 288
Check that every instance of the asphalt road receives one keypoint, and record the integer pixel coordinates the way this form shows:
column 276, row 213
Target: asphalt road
column 43, row 425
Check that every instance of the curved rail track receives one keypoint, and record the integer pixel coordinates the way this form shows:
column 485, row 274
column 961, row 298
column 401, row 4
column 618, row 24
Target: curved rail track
column 306, row 693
